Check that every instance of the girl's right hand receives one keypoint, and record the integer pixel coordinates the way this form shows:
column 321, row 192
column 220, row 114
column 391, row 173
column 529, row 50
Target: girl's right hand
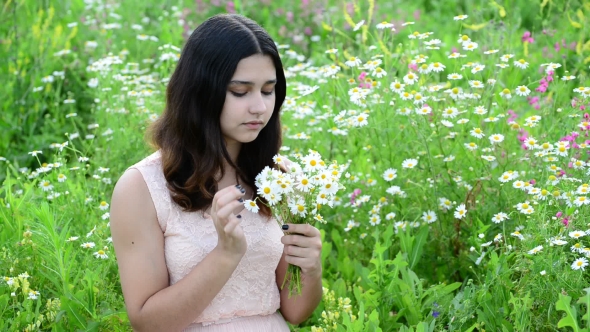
column 230, row 235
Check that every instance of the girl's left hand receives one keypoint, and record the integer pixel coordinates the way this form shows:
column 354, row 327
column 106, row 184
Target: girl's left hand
column 303, row 247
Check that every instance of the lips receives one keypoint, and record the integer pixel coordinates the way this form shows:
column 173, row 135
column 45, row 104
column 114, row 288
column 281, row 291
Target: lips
column 254, row 125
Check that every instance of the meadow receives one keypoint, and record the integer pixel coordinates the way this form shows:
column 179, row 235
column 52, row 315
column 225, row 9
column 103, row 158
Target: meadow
column 461, row 128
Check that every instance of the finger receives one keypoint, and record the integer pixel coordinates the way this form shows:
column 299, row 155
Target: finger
column 228, row 209
column 301, row 252
column 303, row 229
column 232, row 225
column 304, row 263
column 302, row 241
column 231, row 195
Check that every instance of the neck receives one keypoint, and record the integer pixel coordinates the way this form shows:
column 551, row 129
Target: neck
column 233, row 149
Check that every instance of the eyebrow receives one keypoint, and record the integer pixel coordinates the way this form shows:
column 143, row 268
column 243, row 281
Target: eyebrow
column 235, row 82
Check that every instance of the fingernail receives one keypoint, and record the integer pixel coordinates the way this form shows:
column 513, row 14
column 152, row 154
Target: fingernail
column 241, row 200
column 285, row 227
column 242, row 190
column 239, row 216
column 238, row 186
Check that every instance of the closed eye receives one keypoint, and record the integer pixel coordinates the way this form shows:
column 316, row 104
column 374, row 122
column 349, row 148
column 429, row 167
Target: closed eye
column 266, row 93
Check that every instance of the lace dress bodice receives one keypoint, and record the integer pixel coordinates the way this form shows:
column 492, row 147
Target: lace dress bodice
column 190, row 236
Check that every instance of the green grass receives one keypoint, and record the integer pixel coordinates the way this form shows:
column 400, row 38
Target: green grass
column 403, row 273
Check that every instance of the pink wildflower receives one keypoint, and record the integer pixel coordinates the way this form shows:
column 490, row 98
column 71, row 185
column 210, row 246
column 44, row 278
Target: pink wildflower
column 355, row 193
column 526, row 37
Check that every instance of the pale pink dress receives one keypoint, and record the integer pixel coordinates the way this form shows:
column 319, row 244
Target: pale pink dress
column 250, row 299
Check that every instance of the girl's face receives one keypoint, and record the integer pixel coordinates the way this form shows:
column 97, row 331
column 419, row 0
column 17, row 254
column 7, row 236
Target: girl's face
column 250, row 99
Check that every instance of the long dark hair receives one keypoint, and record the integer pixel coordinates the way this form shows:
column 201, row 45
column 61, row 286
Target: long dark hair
column 188, row 133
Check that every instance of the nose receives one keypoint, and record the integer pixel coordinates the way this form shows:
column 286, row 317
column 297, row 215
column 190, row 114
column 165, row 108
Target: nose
column 258, row 105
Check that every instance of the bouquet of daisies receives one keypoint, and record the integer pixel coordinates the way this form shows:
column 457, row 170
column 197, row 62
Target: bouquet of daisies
column 297, row 195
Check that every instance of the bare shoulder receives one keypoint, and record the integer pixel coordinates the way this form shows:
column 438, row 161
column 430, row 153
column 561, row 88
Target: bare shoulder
column 138, row 241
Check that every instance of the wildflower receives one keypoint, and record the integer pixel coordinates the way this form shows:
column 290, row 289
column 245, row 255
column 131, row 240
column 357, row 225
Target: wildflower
column 374, row 220
column 101, row 254
column 505, row 94
column 353, row 62
column 429, row 217
column 449, row 158
column 580, row 264
column 390, row 174
column 297, row 207
column 525, row 208
column 379, row 72
column 477, row 133
column 517, row 234
column 445, row 203
column 384, row 25
column 424, row 110
column 410, row 78
column 535, row 250
column 522, row 90
column 506, row 57
column 45, row 185
column 460, row 211
column 577, row 234
column 460, row 17
column 103, row 205
column 581, row 200
column 496, row 138
column 72, row 238
column 488, row 158
column 522, row 64
column 409, row 163
column 463, row 39
column 476, row 84
column 469, row 46
column 436, row 67
column 251, row 206
column 360, row 120
column 33, row 295
column 454, row 76
column 88, row 245
column 359, row 25
column 61, row 178
column 397, row 87
column 577, row 247
column 499, row 217
column 471, row 146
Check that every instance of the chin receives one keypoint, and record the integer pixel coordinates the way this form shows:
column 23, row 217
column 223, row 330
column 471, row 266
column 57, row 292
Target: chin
column 246, row 138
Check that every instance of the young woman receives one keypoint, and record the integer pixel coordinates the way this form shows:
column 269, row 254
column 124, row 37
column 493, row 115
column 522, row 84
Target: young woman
column 190, row 256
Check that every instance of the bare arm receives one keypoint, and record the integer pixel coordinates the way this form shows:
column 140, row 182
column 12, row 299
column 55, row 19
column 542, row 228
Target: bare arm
column 302, row 249
column 139, row 246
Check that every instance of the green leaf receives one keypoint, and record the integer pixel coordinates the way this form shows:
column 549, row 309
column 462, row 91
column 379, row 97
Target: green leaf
column 570, row 318
column 583, row 300
column 3, row 304
column 418, row 246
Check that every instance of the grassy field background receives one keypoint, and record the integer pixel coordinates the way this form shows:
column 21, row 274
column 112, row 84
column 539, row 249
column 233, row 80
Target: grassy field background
column 487, row 229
